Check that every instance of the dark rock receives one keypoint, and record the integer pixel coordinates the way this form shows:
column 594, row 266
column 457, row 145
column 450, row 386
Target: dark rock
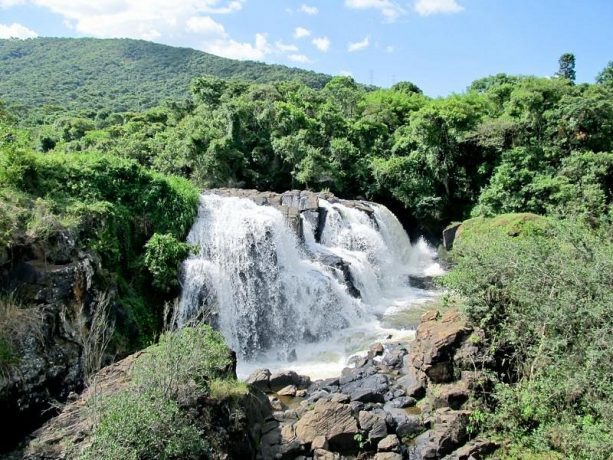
column 421, row 282
column 393, row 358
column 451, row 395
column 449, row 235
column 349, row 375
column 260, row 379
column 282, row 379
column 413, row 383
column 402, row 402
column 369, row 389
column 374, row 423
column 475, row 449
column 447, row 434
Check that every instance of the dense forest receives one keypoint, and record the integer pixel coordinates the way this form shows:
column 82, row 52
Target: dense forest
column 87, row 75
column 125, row 183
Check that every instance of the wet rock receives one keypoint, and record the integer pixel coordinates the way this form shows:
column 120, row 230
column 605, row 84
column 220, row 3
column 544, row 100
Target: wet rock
column 342, row 267
column 376, row 349
column 393, row 358
column 358, row 361
column 289, row 390
column 260, row 379
column 349, row 375
column 390, row 443
column 332, row 420
column 275, row 403
column 281, row 379
column 421, row 282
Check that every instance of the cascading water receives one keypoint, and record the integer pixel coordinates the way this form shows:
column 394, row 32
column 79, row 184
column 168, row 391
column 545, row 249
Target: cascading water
column 270, row 290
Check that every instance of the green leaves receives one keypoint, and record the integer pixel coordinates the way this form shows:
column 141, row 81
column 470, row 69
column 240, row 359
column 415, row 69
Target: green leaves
column 163, row 255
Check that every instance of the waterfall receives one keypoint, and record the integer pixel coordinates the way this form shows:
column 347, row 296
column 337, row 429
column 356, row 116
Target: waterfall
column 268, row 288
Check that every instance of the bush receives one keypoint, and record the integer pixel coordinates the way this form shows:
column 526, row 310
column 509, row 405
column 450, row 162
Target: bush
column 163, row 254
column 134, row 426
column 546, row 302
column 148, row 419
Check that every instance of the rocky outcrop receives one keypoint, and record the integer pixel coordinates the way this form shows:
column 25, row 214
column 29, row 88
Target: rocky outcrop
column 50, row 364
column 399, row 401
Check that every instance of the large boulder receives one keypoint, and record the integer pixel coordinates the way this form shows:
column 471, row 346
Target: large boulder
column 371, row 389
column 435, row 343
column 448, row 433
column 282, row 379
column 332, row 420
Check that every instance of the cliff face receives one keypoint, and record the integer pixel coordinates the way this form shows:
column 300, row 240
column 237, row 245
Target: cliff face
column 50, row 346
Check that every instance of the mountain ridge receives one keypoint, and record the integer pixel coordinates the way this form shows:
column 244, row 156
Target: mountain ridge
column 118, row 75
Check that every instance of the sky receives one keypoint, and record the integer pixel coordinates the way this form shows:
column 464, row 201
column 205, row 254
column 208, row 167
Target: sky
column 440, row 45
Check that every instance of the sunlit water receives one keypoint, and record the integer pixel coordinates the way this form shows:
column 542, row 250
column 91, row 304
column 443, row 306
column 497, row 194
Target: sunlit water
column 276, row 296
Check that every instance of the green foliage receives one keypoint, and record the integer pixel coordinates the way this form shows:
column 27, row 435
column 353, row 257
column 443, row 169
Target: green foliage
column 134, row 426
column 567, row 67
column 146, row 419
column 59, row 75
column 545, row 299
column 163, row 254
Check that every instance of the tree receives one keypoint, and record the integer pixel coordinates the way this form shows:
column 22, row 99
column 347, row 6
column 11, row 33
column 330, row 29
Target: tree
column 605, row 77
column 567, row 67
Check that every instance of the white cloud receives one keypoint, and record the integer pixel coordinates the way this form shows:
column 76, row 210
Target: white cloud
column 322, row 43
column 301, row 32
column 132, row 18
column 389, row 49
column 299, row 58
column 346, row 73
column 311, row 10
column 358, row 46
column 16, row 31
column 388, row 8
column 233, row 49
column 10, row 3
column 428, row 7
column 205, row 25
column 285, row 47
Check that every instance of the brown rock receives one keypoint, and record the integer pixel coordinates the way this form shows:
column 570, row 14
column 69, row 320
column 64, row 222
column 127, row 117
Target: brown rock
column 322, row 454
column 329, row 419
column 376, row 349
column 390, row 443
column 387, row 456
column 289, row 390
column 319, row 442
column 435, row 344
column 451, row 395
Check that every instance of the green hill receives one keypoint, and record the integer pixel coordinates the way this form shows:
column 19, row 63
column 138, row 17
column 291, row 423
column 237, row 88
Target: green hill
column 117, row 74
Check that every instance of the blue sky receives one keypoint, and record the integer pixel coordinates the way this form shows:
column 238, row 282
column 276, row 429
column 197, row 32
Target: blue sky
column 441, row 45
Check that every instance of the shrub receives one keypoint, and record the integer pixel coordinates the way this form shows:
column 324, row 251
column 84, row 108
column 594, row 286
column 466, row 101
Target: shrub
column 147, row 419
column 546, row 302
column 163, row 254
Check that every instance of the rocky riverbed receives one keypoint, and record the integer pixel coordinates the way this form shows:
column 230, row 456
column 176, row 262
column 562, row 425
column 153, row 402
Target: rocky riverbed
column 403, row 400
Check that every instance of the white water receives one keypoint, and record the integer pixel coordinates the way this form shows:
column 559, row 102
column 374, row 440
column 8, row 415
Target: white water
column 274, row 295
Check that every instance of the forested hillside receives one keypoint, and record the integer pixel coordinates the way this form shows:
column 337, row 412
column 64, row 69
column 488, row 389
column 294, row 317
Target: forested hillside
column 87, row 74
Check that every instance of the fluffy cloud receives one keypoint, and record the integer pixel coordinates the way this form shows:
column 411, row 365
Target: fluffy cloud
column 312, row 10
column 322, row 43
column 205, row 25
column 16, row 31
column 285, row 47
column 358, row 46
column 388, row 8
column 227, row 47
column 301, row 32
column 428, row 7
column 389, row 49
column 146, row 19
column 301, row 58
column 10, row 3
